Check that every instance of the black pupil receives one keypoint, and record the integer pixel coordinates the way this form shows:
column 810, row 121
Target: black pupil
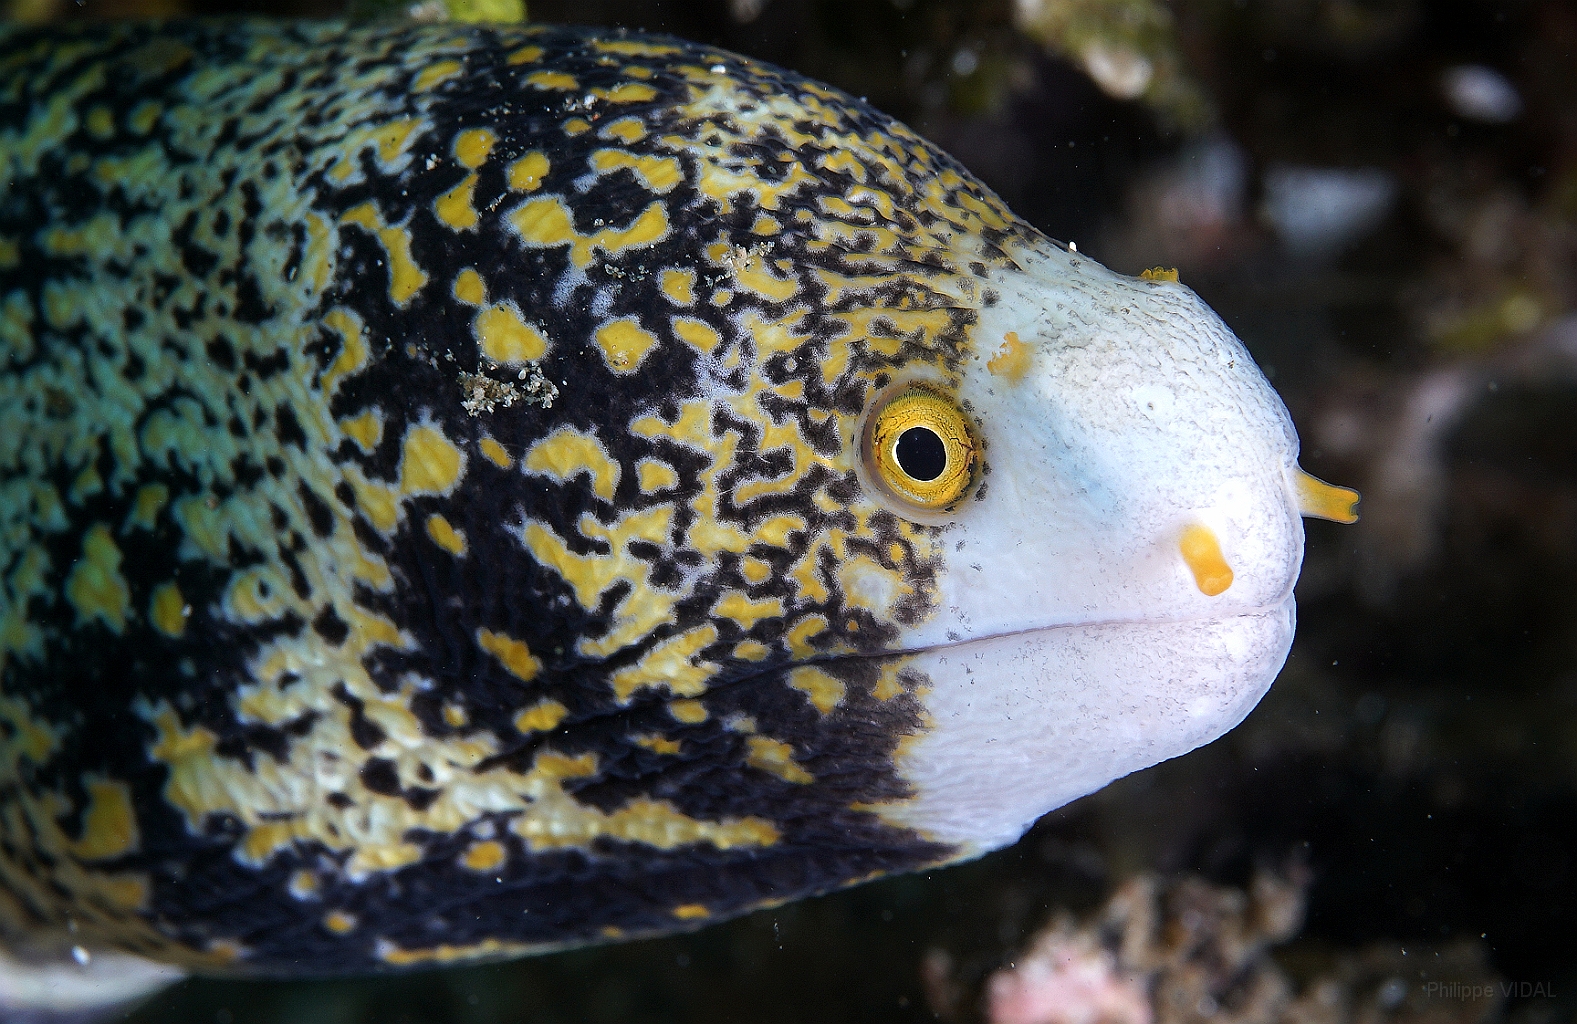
column 921, row 454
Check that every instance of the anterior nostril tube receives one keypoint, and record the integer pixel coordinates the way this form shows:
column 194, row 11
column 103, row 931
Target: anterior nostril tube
column 1325, row 501
column 1202, row 552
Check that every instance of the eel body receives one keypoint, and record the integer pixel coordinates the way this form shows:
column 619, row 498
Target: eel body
column 473, row 491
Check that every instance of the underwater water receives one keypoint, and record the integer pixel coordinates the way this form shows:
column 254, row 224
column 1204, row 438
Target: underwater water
column 1380, row 198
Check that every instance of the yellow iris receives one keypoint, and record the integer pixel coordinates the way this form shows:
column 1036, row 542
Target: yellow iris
column 918, row 447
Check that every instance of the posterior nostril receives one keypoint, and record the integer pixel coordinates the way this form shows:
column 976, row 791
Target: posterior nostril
column 1202, row 552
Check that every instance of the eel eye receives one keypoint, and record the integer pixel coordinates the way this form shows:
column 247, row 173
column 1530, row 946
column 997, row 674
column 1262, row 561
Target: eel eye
column 917, row 446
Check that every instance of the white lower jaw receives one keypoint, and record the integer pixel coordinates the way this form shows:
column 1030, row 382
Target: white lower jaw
column 1020, row 725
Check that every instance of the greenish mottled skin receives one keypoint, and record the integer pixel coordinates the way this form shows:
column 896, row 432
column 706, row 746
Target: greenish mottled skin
column 427, row 500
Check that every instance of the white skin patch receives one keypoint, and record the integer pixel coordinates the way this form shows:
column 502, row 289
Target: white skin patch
column 1077, row 644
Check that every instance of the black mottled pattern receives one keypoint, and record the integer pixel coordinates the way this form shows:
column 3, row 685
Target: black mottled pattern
column 184, row 339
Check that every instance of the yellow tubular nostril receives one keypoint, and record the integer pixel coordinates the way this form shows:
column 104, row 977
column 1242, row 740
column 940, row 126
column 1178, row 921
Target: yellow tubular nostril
column 1325, row 501
column 1202, row 552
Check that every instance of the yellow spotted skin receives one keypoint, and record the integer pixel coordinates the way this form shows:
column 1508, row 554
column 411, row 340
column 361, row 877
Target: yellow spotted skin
column 429, row 465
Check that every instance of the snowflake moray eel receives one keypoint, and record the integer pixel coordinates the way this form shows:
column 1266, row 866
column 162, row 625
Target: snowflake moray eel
column 473, row 491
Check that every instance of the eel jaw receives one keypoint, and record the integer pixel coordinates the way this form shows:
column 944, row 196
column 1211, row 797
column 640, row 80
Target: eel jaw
column 1019, row 725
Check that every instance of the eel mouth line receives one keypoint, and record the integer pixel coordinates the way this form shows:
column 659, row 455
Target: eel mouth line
column 529, row 745
column 1178, row 620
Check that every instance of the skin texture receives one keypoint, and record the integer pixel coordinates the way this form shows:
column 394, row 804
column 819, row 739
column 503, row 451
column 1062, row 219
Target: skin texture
column 433, row 517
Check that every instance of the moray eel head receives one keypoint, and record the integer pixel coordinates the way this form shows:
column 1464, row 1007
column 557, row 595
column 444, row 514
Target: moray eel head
column 1118, row 498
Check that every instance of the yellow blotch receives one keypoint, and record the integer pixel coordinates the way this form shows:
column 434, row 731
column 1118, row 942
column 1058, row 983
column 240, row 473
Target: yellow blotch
column 526, row 174
column 405, row 277
column 392, row 138
column 679, row 287
column 485, row 856
column 1012, row 360
column 543, row 717
column 1159, row 274
column 552, row 80
column 87, row 484
column 167, row 609
column 109, row 825
column 799, row 635
column 253, row 596
column 33, row 739
column 547, row 222
column 655, row 476
column 472, row 146
column 628, row 130
column 567, row 453
column 189, row 755
column 429, row 462
column 888, row 685
column 487, row 949
column 339, row 922
column 315, row 261
column 303, row 884
column 752, row 274
column 511, row 653
column 624, row 344
column 455, row 716
column 222, row 952
column 95, row 587
column 670, row 664
column 691, row 912
column 504, row 338
column 629, row 92
column 101, row 123
column 202, row 525
column 1202, row 553
column 454, row 207
column 690, row 712
column 824, row 691
column 658, row 173
column 376, row 502
column 633, row 48
column 755, row 570
column 144, row 116
column 843, row 160
column 371, row 860
column 659, row 744
column 468, row 287
column 445, row 535
column 886, row 330
column 125, row 891
column 765, row 225
column 696, row 334
column 1325, row 501
column 366, row 430
column 590, row 575
column 745, row 611
column 751, row 650
column 526, row 55
column 776, row 757
column 431, row 76
column 495, row 453
column 806, row 575
column 10, row 254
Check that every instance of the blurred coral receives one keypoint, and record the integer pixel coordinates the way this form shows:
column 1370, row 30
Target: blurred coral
column 1184, row 951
